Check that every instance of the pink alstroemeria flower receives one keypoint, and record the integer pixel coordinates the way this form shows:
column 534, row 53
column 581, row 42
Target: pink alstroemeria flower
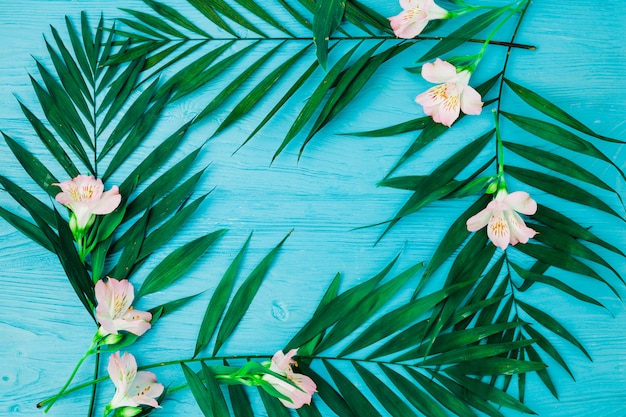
column 504, row 225
column 114, row 311
column 281, row 364
column 132, row 388
column 85, row 196
column 444, row 101
column 416, row 15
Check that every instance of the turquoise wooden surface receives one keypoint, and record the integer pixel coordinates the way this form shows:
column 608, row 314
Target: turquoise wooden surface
column 330, row 191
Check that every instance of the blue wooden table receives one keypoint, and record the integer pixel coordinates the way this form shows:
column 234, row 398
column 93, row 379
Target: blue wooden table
column 324, row 197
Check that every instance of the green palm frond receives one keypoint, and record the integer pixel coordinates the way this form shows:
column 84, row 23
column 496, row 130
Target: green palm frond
column 95, row 117
column 219, row 31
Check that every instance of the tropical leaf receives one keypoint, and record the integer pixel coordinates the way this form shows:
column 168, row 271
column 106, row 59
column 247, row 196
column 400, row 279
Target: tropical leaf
column 550, row 109
column 328, row 15
column 243, row 297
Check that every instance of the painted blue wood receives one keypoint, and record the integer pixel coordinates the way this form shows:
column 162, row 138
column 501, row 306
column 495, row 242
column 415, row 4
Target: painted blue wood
column 578, row 65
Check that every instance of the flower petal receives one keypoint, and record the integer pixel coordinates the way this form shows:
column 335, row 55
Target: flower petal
column 498, row 230
column 519, row 231
column 479, row 220
column 521, row 202
column 145, row 389
column 436, row 12
column 439, row 71
column 108, row 202
column 471, row 102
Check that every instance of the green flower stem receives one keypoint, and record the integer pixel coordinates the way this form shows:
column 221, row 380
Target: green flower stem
column 514, row 8
column 192, row 360
column 63, row 391
column 92, row 400
column 500, row 155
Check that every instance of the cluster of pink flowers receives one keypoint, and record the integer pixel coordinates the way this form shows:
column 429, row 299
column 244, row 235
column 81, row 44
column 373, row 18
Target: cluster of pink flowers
column 85, row 197
column 452, row 93
column 444, row 103
column 116, row 314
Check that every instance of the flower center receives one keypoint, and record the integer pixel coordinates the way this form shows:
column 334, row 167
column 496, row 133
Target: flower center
column 86, row 192
column 499, row 227
column 416, row 13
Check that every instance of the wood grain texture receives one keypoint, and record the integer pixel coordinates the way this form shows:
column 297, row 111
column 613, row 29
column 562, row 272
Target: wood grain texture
column 579, row 65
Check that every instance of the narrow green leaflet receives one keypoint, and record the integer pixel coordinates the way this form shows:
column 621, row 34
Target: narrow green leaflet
column 561, row 137
column 254, row 96
column 463, row 33
column 442, row 395
column 547, row 347
column 328, row 394
column 239, row 401
column 337, row 309
column 315, row 100
column 454, row 237
column 27, row 228
column 397, row 129
column 272, row 406
column 219, row 300
column 553, row 282
column 53, row 146
column 389, row 399
column 128, row 260
column 493, row 394
column 551, row 324
column 473, row 353
column 397, row 319
column 367, row 307
column 235, row 84
column 548, row 216
column 200, row 392
column 431, row 189
column 357, row 401
column 493, row 366
column 244, row 296
column 418, row 398
column 35, row 168
column 175, row 16
column 550, row 109
column 559, row 164
column 177, row 263
column 327, row 17
column 560, row 188
column 556, row 239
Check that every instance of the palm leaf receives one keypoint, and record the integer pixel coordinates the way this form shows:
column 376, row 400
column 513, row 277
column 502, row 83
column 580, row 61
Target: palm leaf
column 243, row 297
column 551, row 324
column 327, row 17
column 463, row 34
column 177, row 263
column 219, row 300
column 550, row 109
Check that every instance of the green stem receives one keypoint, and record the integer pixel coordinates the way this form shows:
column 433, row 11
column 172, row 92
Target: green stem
column 92, row 401
column 513, row 10
column 63, row 391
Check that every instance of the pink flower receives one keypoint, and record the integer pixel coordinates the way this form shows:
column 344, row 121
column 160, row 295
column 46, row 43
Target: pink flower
column 85, row 196
column 444, row 101
column 114, row 311
column 281, row 364
column 132, row 388
column 416, row 15
column 504, row 225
